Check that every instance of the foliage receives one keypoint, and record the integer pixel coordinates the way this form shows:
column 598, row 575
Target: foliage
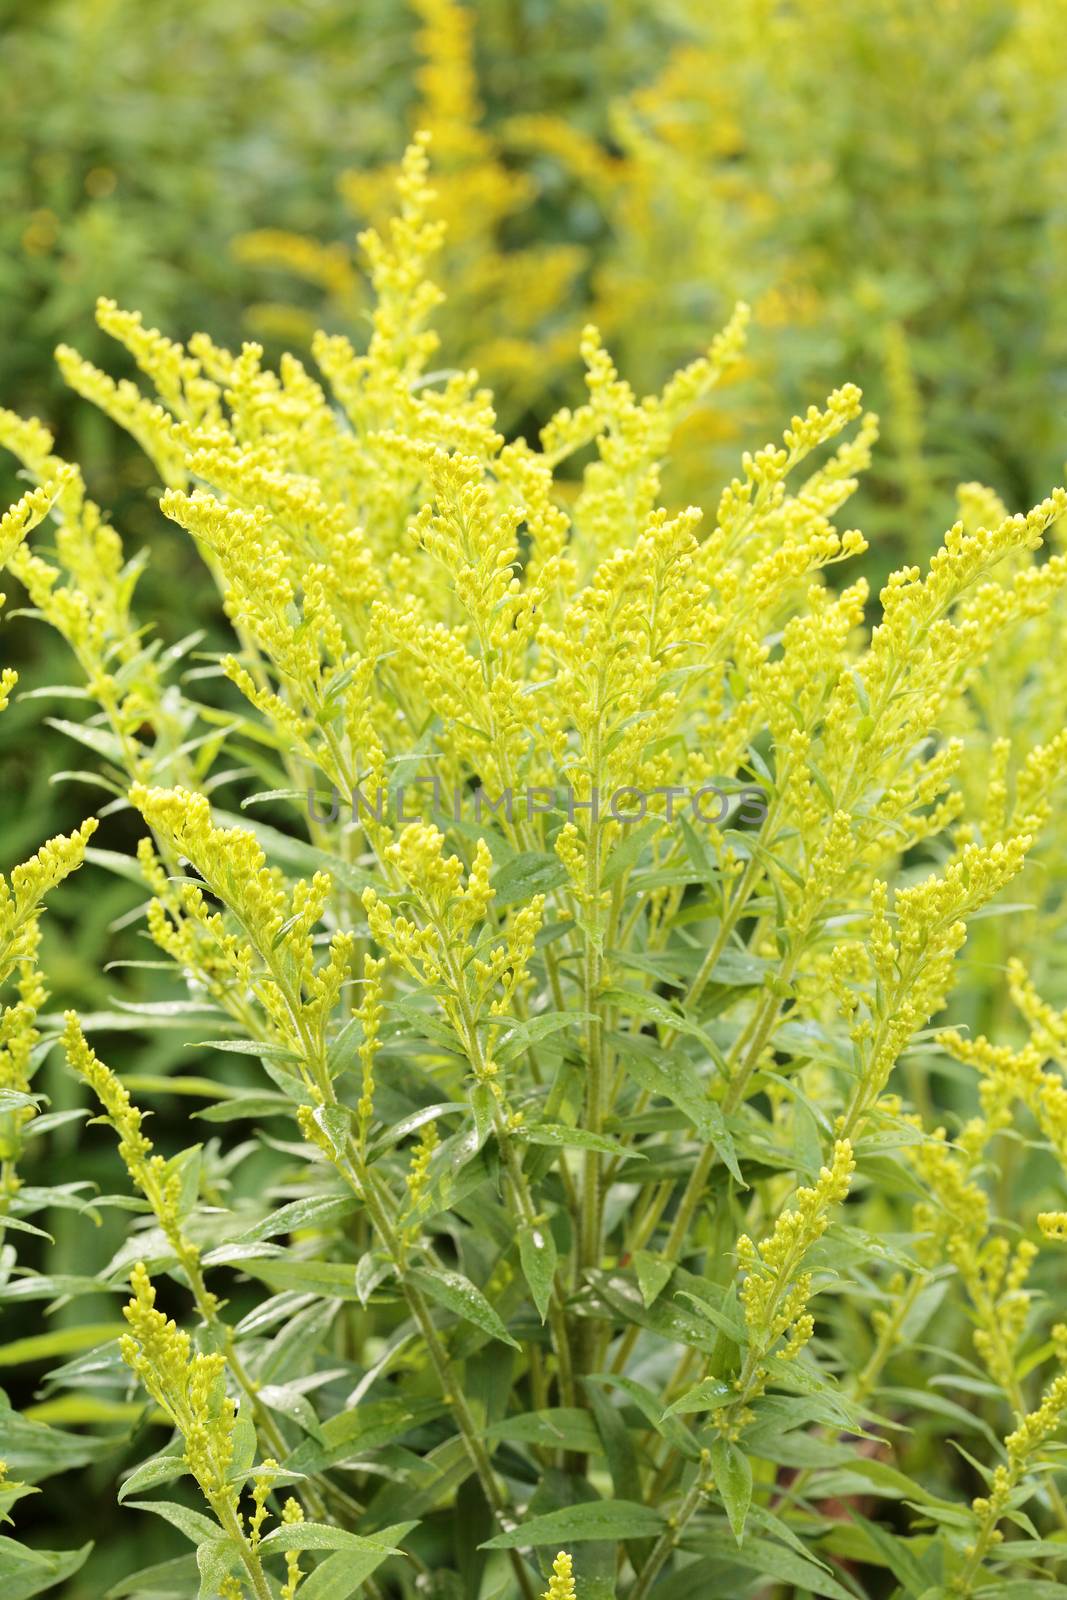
column 578, row 1216
column 880, row 183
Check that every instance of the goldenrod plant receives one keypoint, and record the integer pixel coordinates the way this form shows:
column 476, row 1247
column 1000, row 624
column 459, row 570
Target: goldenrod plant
column 564, row 890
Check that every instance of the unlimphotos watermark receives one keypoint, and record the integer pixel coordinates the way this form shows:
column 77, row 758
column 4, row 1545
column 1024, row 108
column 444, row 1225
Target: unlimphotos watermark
column 711, row 804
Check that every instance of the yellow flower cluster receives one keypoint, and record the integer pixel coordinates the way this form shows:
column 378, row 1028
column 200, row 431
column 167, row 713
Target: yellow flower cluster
column 911, row 969
column 158, row 1181
column 477, row 981
column 21, row 894
column 561, row 1585
column 266, row 953
column 1021, row 1446
column 18, row 1038
column 188, row 1386
column 777, row 1287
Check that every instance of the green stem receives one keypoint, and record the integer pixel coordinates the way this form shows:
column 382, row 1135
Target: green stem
column 360, row 1180
column 670, row 1536
column 250, row 1558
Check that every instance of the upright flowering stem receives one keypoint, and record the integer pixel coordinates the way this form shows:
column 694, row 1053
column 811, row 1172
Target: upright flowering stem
column 452, row 1391
column 661, row 1551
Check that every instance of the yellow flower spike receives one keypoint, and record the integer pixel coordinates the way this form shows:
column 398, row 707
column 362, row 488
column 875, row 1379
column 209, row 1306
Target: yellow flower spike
column 561, row 1586
column 270, row 962
column 477, row 895
column 189, row 1387
column 369, row 1012
column 508, row 963
column 29, row 440
column 776, row 1286
column 292, row 1513
column 261, row 1488
column 227, row 856
column 979, row 506
column 329, row 266
column 148, row 422
column 176, row 376
column 417, row 1178
column 400, row 344
column 1035, row 1429
column 147, row 1171
column 1048, row 1027
column 19, row 1038
column 120, row 1111
column 24, row 516
column 22, row 894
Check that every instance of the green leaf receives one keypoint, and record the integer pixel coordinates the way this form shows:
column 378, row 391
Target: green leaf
column 248, row 1108
column 49, row 1286
column 725, row 1316
column 151, row 1473
column 312, row 1212
column 639, row 1003
column 628, row 853
column 336, row 1123
column 18, row 1226
column 520, row 1035
column 291, row 1402
column 25, row 1573
column 533, row 872
column 60, row 1342
column 15, row 1100
column 457, row 1294
column 193, row 1524
column 176, row 1578
column 215, row 1560
column 248, row 1047
column 595, row 1519
column 559, row 1136
column 619, row 1443
column 537, row 1252
column 34, row 1451
column 770, row 1560
column 711, row 1394
column 127, row 867
column 366, row 1427
column 340, row 1575
column 896, row 1553
column 372, row 1269
column 671, row 1074
column 653, row 1274
column 245, row 1444
column 418, row 1119
column 334, row 1279
column 559, row 1428
column 650, row 1406
column 100, row 740
column 732, row 1472
column 198, row 1088
column 672, row 1322
column 322, row 1536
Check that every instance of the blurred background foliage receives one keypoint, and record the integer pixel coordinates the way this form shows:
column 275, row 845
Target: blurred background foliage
column 883, row 181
